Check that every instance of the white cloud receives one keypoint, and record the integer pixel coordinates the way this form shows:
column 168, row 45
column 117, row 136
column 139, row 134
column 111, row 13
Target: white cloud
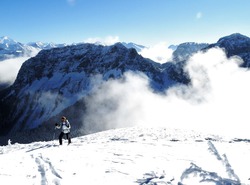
column 9, row 69
column 216, row 101
column 107, row 41
column 199, row 15
column 159, row 53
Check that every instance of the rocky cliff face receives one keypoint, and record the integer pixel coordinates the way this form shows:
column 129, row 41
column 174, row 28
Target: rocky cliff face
column 58, row 78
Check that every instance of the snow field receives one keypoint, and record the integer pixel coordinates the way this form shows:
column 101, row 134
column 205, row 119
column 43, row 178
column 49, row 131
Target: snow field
column 129, row 156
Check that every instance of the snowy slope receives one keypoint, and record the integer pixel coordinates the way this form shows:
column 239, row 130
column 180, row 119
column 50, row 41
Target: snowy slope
column 136, row 155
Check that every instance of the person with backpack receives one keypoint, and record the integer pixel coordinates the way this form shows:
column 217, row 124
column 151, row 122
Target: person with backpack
column 65, row 126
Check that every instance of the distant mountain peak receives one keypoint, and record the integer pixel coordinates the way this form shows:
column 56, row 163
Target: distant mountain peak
column 4, row 38
column 7, row 40
column 9, row 48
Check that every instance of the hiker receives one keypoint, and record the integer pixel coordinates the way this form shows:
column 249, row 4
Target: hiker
column 65, row 125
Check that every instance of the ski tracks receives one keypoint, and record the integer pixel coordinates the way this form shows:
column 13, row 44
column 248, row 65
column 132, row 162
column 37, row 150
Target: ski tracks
column 208, row 176
column 219, row 171
column 48, row 173
column 223, row 159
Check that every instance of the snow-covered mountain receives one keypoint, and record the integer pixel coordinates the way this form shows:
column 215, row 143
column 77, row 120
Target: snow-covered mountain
column 130, row 156
column 42, row 45
column 10, row 48
column 187, row 49
column 57, row 79
column 235, row 44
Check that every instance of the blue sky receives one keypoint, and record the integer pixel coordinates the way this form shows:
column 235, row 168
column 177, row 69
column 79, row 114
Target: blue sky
column 146, row 22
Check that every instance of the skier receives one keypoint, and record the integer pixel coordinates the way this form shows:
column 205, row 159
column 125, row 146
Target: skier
column 65, row 125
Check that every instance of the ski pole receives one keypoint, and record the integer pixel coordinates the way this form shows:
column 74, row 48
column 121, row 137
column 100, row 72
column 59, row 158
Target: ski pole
column 54, row 135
